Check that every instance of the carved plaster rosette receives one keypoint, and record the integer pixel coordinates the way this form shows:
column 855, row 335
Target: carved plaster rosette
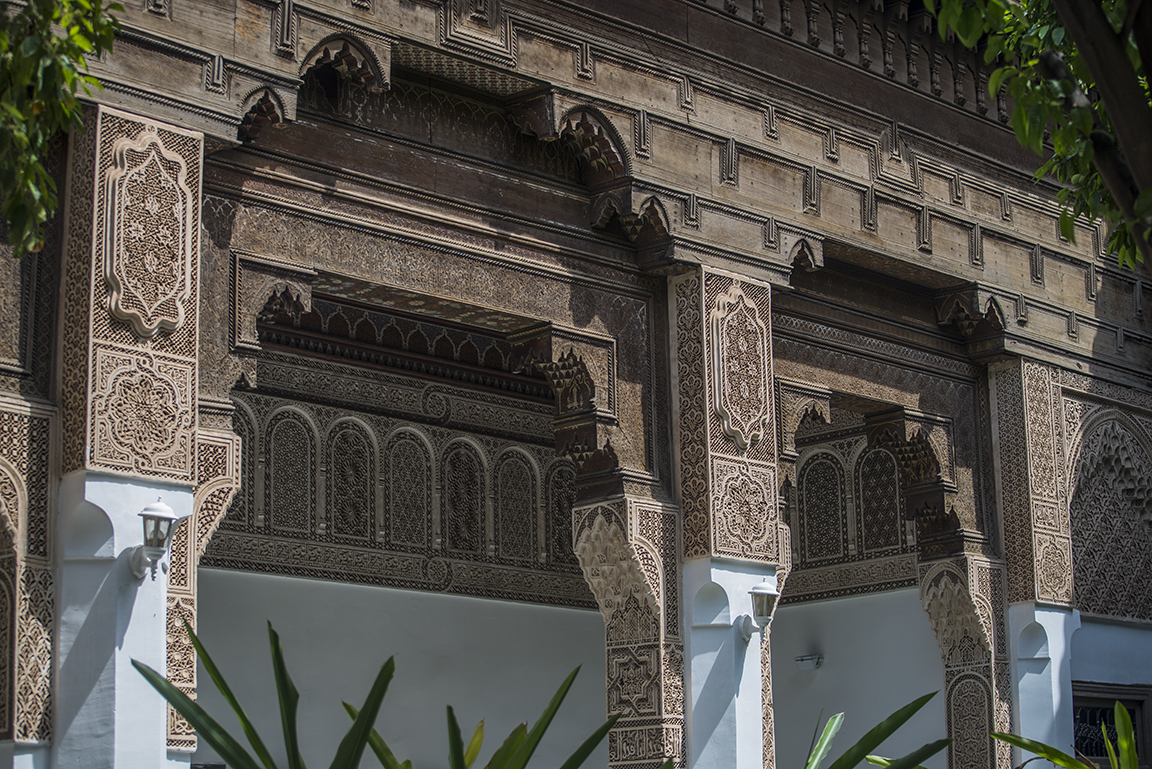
column 745, row 512
column 142, row 417
column 740, row 369
column 149, row 234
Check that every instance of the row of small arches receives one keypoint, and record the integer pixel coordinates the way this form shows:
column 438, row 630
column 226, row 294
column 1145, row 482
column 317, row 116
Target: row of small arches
column 343, row 482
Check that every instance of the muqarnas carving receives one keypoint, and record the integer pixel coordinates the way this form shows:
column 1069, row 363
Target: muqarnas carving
column 1111, row 543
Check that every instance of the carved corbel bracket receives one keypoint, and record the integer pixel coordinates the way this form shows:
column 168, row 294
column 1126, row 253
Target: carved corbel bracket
column 262, row 108
column 365, row 62
column 581, row 429
column 258, row 280
column 649, row 230
column 598, row 149
column 798, row 401
column 974, row 311
column 804, row 250
column 534, row 113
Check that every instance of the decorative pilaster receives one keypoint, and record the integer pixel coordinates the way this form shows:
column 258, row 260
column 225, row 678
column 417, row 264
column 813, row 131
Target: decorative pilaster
column 1029, row 459
column 728, row 458
column 131, row 299
column 27, row 586
column 218, row 478
column 727, row 427
column 129, row 378
column 627, row 551
column 960, row 596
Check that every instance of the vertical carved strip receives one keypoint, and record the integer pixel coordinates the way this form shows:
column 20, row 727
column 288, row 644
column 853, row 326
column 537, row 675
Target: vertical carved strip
column 692, row 423
column 626, row 572
column 218, row 479
column 769, row 726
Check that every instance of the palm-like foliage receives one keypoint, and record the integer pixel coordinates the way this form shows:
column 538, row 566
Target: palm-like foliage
column 512, row 754
column 1120, row 756
column 862, row 749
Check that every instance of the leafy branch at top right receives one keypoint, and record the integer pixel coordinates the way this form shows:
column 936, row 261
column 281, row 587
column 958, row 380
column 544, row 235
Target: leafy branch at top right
column 1075, row 70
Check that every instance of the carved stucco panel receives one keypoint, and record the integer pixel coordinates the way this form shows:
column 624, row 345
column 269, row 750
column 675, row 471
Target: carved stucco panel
column 150, row 234
column 218, row 479
column 744, row 510
column 740, row 367
column 142, row 412
column 1111, row 546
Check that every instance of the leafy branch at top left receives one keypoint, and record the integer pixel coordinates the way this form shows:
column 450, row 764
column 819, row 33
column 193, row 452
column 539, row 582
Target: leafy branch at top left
column 43, row 70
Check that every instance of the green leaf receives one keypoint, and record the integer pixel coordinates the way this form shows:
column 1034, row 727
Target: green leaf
column 505, row 751
column 29, row 45
column 351, row 748
column 882, row 761
column 1125, row 738
column 376, row 742
column 473, row 749
column 914, row 758
column 997, row 79
column 1113, row 761
column 214, row 734
column 455, row 743
column 882, row 731
column 825, row 742
column 586, row 747
column 289, row 698
column 520, row 758
column 1067, row 226
column 1058, row 757
column 230, row 698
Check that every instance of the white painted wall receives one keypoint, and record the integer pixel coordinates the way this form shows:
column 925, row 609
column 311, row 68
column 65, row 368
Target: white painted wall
column 1041, row 651
column 1111, row 652
column 494, row 660
column 724, row 713
column 879, row 654
column 107, row 715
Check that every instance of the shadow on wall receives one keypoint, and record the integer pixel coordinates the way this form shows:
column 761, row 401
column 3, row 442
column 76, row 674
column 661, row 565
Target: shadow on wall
column 879, row 653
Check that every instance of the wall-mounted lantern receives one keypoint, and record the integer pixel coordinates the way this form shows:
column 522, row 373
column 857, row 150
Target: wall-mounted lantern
column 159, row 523
column 764, row 598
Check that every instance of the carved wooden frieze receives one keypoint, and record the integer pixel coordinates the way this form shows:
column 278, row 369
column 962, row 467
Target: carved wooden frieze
column 150, row 233
column 340, row 491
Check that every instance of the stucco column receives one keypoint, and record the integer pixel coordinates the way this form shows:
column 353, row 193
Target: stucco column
column 127, row 395
column 733, row 536
column 1031, row 493
column 1042, row 672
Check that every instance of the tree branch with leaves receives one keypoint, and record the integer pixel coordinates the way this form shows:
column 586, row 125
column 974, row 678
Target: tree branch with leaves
column 1075, row 72
column 43, row 71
